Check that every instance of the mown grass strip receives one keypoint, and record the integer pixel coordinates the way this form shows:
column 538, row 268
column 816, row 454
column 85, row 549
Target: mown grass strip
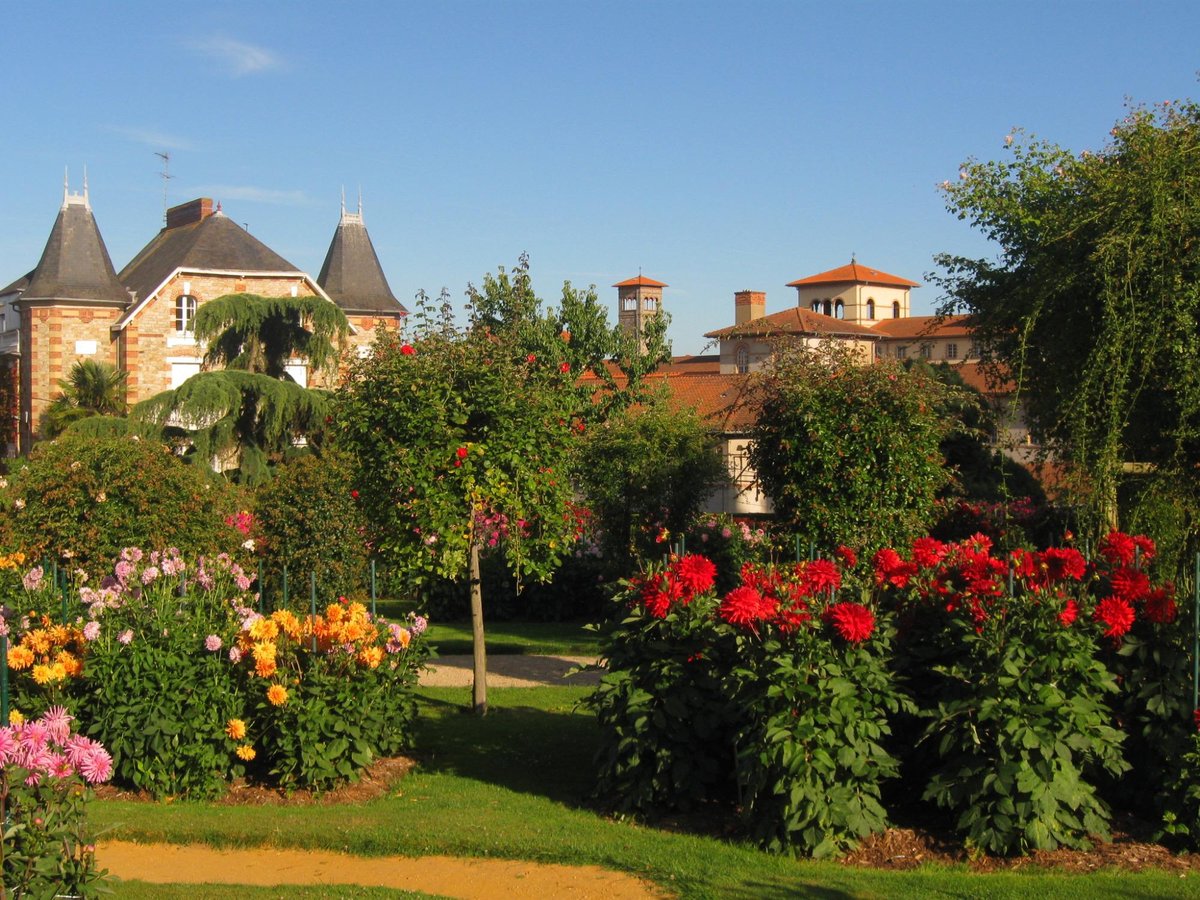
column 514, row 785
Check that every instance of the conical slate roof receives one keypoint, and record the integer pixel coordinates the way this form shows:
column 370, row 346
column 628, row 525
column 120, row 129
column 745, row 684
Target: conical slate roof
column 352, row 275
column 198, row 239
column 75, row 264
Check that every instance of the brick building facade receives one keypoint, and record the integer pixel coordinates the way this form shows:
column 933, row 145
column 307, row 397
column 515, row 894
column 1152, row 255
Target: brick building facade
column 74, row 305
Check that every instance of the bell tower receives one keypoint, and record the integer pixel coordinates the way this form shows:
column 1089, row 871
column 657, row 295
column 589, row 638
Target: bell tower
column 639, row 300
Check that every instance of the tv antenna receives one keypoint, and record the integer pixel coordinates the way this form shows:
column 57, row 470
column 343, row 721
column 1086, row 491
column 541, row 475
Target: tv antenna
column 165, row 175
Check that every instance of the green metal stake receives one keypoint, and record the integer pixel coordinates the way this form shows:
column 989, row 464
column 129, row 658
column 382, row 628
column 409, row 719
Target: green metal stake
column 312, row 582
column 64, row 599
column 3, row 679
column 260, row 588
column 797, row 542
column 285, row 591
column 683, row 545
column 372, row 588
column 1196, row 637
column 812, row 551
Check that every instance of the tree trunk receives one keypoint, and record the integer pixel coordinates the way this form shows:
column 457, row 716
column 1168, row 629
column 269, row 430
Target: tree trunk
column 479, row 670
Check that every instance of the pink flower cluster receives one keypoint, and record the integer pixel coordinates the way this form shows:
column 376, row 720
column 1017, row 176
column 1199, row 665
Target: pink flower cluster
column 46, row 749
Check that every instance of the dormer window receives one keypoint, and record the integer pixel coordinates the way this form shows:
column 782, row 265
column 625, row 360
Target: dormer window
column 185, row 313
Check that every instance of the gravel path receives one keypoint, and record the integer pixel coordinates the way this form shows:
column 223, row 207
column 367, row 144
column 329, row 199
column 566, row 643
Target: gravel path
column 512, row 671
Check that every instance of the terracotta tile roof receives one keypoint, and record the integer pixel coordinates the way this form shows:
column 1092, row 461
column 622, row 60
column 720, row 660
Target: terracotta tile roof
column 794, row 321
column 978, row 377
column 640, row 281
column 855, row 273
column 924, row 326
column 696, row 382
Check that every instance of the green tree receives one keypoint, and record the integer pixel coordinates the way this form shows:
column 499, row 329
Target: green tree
column 647, row 468
column 250, row 409
column 80, row 499
column 90, row 389
column 1093, row 305
column 464, row 435
column 848, row 453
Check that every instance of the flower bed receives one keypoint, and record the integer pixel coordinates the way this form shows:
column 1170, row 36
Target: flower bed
column 173, row 667
column 989, row 682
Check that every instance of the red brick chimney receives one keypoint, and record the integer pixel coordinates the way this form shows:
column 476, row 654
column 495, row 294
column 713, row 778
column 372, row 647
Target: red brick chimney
column 749, row 305
column 189, row 213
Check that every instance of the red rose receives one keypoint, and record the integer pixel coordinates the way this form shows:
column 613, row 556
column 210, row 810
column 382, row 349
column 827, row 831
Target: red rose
column 531, row 358
column 407, row 350
column 564, row 367
column 462, row 452
column 354, row 494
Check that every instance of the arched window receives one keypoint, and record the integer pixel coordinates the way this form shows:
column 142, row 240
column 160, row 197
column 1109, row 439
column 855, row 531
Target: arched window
column 741, row 360
column 629, row 304
column 816, row 306
column 895, row 309
column 650, row 304
column 827, row 307
column 839, row 310
column 870, row 308
column 185, row 312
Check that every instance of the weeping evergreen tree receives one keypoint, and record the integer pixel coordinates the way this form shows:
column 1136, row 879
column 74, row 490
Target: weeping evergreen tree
column 244, row 404
column 90, row 389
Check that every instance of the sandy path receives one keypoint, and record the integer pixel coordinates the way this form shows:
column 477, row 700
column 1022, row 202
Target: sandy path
column 477, row 879
column 511, row 671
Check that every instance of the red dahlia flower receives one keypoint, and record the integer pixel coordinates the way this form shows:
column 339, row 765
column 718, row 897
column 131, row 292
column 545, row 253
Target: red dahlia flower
column 847, row 555
column 1129, row 584
column 745, row 606
column 1118, row 548
column 854, row 622
column 1117, row 615
column 1160, row 606
column 658, row 593
column 1069, row 614
column 927, row 552
column 821, row 575
column 891, row 569
column 1064, row 562
column 696, row 572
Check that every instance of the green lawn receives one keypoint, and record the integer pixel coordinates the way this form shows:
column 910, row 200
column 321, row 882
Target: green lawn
column 528, row 638
column 515, row 784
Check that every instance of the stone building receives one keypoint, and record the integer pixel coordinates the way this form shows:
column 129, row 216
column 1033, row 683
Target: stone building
column 73, row 305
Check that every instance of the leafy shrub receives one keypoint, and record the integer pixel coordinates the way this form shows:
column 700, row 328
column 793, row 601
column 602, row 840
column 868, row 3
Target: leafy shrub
column 180, row 676
column 309, row 520
column 80, row 500
column 45, row 778
column 849, row 453
column 750, row 694
column 1003, row 653
column 730, row 543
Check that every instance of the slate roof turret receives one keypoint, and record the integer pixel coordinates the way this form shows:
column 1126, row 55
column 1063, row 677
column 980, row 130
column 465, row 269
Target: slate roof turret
column 351, row 274
column 75, row 265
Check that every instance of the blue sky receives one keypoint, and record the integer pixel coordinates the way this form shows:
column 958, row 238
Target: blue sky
column 715, row 146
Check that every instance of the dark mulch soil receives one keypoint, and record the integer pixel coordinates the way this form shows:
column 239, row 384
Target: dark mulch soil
column 1130, row 849
column 376, row 781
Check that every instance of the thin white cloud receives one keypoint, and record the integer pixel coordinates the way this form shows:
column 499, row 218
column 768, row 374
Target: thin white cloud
column 152, row 137
column 237, row 57
column 252, row 193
